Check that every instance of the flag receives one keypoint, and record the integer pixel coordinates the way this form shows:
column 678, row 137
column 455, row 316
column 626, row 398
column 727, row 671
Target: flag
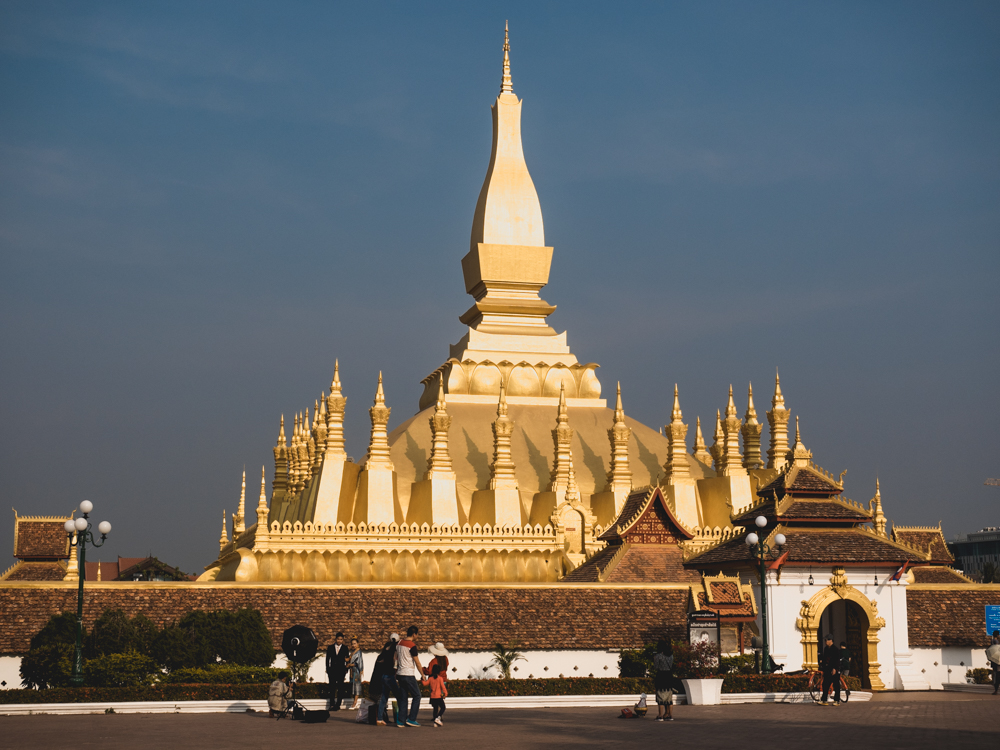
column 899, row 573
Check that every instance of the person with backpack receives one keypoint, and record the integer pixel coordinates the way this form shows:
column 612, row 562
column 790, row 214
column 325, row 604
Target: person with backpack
column 439, row 691
column 407, row 674
column 383, row 682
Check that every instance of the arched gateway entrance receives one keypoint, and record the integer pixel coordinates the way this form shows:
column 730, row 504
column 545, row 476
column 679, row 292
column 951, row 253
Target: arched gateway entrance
column 848, row 615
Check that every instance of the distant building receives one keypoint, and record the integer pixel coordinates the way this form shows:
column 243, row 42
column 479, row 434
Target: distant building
column 973, row 551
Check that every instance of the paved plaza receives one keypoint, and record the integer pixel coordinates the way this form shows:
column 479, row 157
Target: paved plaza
column 890, row 720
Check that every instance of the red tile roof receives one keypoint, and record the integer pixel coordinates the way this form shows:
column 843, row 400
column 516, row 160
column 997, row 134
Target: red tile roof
column 646, row 518
column 952, row 616
column 925, row 540
column 802, row 480
column 810, row 546
column 937, row 574
column 35, row 571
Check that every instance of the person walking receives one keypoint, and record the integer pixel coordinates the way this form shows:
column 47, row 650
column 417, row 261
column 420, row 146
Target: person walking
column 993, row 654
column 407, row 672
column 277, row 696
column 440, row 654
column 830, row 664
column 336, row 670
column 663, row 679
column 356, row 666
column 384, row 676
column 439, row 692
column 845, row 665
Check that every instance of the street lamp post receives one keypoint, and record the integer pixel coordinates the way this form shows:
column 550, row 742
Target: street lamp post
column 760, row 550
column 81, row 529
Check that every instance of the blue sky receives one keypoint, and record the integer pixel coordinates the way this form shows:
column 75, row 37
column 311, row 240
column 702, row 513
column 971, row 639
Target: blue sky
column 203, row 204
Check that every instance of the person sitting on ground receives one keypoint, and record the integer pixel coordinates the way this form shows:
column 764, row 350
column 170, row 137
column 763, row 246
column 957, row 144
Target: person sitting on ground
column 439, row 692
column 277, row 696
column 663, row 663
column 440, row 654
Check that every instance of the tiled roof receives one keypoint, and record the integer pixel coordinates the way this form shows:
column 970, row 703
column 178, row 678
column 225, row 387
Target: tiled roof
column 109, row 571
column 924, row 539
column 589, row 571
column 823, row 509
column 35, row 571
column 939, row 618
column 743, row 611
column 937, row 574
column 646, row 518
column 724, row 592
column 651, row 563
column 40, row 538
column 802, row 480
column 810, row 546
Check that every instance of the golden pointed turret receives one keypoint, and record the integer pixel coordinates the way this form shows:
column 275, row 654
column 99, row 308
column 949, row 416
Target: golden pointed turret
column 751, row 434
column 718, row 445
column 72, row 565
column 800, row 456
column 239, row 525
column 700, row 451
column 731, row 459
column 502, row 471
column 261, row 535
column 676, row 466
column 440, row 462
column 280, row 484
column 562, row 437
column 378, row 446
column 877, row 515
column 620, row 476
column 336, row 405
column 777, row 418
column 224, row 539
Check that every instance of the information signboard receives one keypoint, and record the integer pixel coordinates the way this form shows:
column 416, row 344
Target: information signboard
column 992, row 618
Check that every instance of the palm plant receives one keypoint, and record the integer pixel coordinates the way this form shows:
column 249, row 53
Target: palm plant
column 504, row 658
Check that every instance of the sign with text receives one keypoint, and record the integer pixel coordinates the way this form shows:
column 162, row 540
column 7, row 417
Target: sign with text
column 992, row 618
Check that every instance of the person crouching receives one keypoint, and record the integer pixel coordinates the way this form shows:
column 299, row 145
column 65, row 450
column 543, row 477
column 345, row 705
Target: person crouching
column 277, row 696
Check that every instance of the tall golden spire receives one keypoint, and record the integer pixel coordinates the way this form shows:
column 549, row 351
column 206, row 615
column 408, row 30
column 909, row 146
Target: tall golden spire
column 676, row 466
column 562, row 436
column 280, row 461
column 620, row 476
column 777, row 418
column 506, row 87
column 502, row 471
column 699, row 450
column 751, row 434
column 72, row 566
column 336, row 404
column 239, row 525
column 260, row 537
column 224, row 539
column 732, row 460
column 440, row 456
column 378, row 447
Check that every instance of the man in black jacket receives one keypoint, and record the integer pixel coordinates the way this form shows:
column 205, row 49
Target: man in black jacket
column 336, row 669
column 830, row 664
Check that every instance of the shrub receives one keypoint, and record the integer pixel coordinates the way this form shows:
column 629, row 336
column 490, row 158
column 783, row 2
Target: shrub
column 636, row 662
column 115, row 632
column 980, row 676
column 129, row 669
column 695, row 660
column 177, row 647
column 222, row 674
column 504, row 658
column 49, row 661
column 202, row 638
column 742, row 664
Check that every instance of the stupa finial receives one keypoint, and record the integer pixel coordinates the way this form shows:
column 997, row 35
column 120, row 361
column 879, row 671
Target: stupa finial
column 676, row 414
column 506, row 87
column 224, row 539
column 379, row 393
column 335, row 383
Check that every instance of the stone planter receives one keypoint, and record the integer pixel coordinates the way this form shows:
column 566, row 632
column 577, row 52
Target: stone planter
column 707, row 692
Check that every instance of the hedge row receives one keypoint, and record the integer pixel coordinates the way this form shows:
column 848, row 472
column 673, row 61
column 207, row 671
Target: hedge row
column 456, row 689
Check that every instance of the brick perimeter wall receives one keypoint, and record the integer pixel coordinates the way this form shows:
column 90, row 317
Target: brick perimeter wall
column 463, row 618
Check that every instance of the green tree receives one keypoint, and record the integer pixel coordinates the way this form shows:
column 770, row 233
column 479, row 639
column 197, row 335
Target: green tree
column 127, row 669
column 49, row 661
column 204, row 638
column 115, row 632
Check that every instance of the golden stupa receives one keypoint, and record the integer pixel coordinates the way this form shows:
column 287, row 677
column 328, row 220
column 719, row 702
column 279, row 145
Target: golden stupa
column 514, row 464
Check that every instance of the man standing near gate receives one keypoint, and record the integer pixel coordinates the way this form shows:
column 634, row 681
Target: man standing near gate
column 830, row 664
column 336, row 669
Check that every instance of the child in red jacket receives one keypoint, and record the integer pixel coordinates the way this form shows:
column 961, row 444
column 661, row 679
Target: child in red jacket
column 438, row 692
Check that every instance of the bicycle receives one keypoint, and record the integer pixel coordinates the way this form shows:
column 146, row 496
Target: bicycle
column 816, row 687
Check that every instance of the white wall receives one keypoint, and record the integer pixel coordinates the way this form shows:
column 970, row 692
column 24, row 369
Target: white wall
column 940, row 665
column 10, row 673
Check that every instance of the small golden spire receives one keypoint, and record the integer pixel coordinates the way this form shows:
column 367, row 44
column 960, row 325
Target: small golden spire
column 440, row 462
column 98, row 570
column 777, row 418
column 224, row 538
column 751, row 434
column 441, row 403
column 281, row 432
column 619, row 411
column 502, row 406
column 676, row 467
column 335, row 383
column 506, row 87
column 502, row 474
column 731, row 406
column 379, row 393
column 779, row 399
column 620, row 476
column 260, row 538
column 877, row 515
column 700, row 451
column 238, row 523
column 676, row 415
column 800, row 456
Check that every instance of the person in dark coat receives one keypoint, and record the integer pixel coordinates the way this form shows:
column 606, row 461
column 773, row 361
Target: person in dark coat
column 336, row 670
column 830, row 664
column 383, row 681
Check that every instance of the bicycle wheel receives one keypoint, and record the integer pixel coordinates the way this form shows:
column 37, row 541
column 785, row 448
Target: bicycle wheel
column 845, row 693
column 816, row 685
